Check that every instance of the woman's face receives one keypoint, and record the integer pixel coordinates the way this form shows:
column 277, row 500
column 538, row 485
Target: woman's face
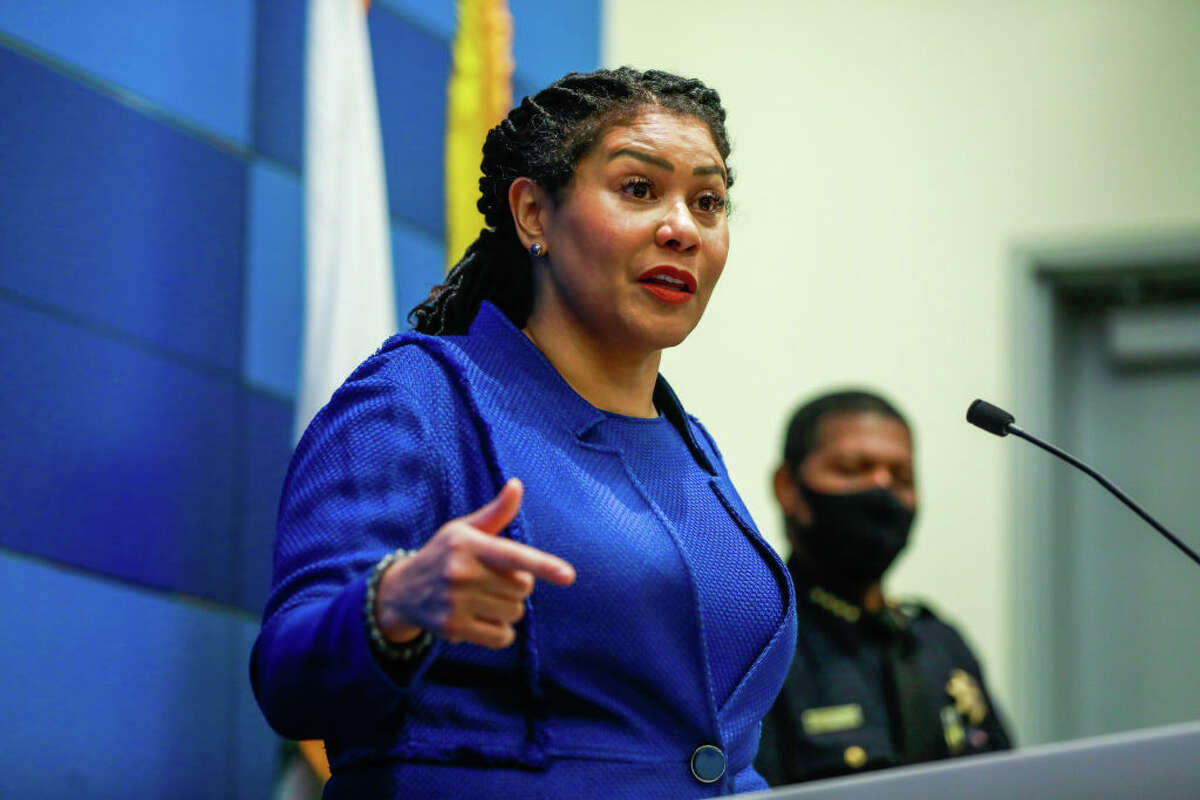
column 638, row 239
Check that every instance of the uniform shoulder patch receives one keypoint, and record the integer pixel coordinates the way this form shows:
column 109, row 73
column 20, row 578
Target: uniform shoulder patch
column 967, row 695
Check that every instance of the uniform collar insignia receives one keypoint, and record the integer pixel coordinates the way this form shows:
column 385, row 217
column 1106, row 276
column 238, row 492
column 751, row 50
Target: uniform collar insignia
column 834, row 604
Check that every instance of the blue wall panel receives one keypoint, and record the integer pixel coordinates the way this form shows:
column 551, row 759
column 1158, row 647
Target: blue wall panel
column 523, row 88
column 274, row 319
column 411, row 71
column 435, row 16
column 151, row 286
column 255, row 757
column 192, row 59
column 115, row 459
column 149, row 701
column 279, row 81
column 552, row 38
column 418, row 264
column 266, row 436
column 118, row 219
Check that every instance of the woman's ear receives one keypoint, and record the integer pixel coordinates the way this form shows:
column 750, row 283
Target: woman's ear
column 528, row 203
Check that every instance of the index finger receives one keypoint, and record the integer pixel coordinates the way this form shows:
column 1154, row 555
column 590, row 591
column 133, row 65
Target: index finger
column 508, row 555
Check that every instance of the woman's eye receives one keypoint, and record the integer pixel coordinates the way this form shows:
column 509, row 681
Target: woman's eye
column 711, row 203
column 638, row 187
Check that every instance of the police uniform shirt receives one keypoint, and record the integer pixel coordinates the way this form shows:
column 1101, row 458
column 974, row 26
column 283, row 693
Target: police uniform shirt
column 867, row 691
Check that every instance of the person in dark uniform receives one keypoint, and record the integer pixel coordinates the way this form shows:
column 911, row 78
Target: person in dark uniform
column 874, row 683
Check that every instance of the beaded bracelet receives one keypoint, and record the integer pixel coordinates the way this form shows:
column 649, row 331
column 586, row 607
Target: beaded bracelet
column 391, row 652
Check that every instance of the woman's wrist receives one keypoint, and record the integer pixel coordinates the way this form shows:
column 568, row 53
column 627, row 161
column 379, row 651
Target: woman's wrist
column 392, row 624
column 392, row 639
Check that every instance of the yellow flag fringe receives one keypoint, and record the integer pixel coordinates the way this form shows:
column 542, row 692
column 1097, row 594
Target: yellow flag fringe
column 478, row 97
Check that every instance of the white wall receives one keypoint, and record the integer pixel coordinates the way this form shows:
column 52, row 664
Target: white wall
column 890, row 156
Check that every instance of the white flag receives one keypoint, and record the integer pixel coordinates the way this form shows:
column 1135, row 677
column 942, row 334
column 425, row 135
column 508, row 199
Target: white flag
column 349, row 306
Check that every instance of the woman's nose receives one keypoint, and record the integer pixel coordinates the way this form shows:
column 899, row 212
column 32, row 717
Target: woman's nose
column 677, row 230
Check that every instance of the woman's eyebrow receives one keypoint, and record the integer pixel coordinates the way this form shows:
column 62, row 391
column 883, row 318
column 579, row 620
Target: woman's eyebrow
column 714, row 169
column 640, row 156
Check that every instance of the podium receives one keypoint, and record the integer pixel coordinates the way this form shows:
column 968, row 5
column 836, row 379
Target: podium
column 1160, row 763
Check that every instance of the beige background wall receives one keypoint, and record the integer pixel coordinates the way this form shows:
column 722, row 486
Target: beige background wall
column 890, row 157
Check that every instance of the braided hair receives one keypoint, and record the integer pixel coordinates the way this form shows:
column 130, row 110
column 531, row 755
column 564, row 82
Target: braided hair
column 543, row 139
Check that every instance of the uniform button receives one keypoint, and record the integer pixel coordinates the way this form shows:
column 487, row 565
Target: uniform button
column 855, row 756
column 708, row 763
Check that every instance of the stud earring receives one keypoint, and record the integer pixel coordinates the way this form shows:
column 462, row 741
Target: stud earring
column 537, row 249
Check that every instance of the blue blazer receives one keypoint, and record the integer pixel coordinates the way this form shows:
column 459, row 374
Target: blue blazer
column 608, row 688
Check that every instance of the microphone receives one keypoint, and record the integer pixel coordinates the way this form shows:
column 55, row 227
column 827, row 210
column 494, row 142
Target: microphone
column 993, row 419
column 983, row 414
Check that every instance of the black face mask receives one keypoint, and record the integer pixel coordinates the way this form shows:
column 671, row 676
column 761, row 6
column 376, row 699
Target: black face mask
column 856, row 535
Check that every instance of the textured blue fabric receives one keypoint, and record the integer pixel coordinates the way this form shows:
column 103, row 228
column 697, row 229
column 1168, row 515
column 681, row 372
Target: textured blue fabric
column 611, row 680
column 742, row 609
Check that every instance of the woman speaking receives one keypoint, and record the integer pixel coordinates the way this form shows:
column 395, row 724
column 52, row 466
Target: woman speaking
column 508, row 563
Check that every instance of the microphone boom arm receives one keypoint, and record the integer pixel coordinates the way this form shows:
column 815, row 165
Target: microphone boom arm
column 1107, row 484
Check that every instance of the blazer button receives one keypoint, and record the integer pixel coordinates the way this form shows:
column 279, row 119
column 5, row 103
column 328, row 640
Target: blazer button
column 708, row 763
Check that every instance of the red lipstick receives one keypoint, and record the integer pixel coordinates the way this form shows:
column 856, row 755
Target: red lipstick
column 669, row 284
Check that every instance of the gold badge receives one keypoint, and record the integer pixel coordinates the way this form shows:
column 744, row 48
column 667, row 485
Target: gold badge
column 855, row 756
column 968, row 697
column 829, row 719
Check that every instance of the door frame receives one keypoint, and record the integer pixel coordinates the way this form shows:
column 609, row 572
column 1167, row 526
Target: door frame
column 1041, row 601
